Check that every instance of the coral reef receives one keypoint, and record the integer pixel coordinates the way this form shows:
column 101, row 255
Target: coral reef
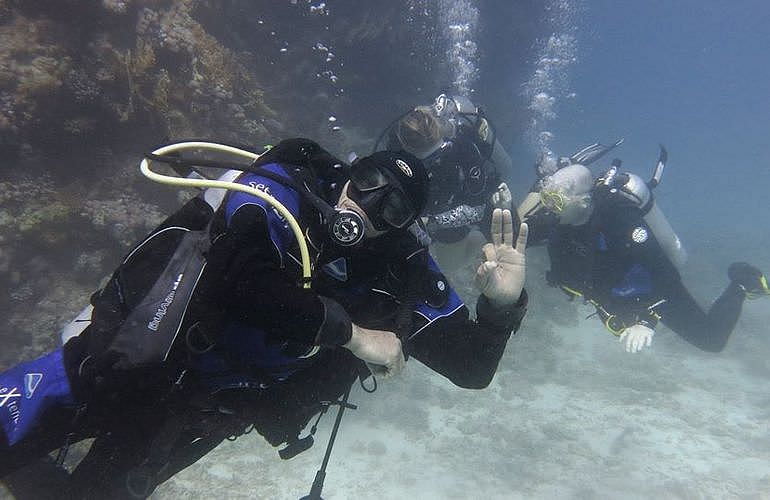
column 56, row 249
column 32, row 68
column 125, row 217
column 74, row 96
column 162, row 73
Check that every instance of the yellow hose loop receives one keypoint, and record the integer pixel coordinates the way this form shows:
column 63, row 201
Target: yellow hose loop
column 553, row 200
column 144, row 166
column 615, row 331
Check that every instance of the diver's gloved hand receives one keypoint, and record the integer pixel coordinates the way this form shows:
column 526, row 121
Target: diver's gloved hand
column 637, row 337
column 502, row 198
column 501, row 276
column 381, row 350
column 749, row 278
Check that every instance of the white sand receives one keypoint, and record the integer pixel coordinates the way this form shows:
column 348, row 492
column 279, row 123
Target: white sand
column 569, row 415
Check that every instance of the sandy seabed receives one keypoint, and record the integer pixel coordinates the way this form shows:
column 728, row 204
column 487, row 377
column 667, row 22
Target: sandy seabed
column 568, row 415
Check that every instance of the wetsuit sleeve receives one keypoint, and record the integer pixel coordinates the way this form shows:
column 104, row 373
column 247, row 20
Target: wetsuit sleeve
column 464, row 350
column 249, row 266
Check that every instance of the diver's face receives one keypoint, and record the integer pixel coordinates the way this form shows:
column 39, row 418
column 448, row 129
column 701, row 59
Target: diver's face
column 576, row 211
column 346, row 203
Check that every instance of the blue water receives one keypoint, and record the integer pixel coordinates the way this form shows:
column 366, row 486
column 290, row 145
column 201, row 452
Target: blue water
column 569, row 413
column 693, row 75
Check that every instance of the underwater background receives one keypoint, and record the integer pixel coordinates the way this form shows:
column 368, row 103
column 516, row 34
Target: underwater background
column 87, row 87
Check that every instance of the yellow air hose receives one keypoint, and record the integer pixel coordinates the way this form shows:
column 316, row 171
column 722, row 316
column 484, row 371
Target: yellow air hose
column 144, row 166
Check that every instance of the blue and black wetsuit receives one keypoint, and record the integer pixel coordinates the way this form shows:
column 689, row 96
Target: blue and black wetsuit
column 258, row 271
column 615, row 262
column 265, row 331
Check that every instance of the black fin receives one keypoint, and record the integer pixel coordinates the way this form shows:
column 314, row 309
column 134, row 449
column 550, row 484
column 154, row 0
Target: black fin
column 590, row 154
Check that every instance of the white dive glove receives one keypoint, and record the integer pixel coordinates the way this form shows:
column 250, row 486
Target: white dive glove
column 381, row 350
column 501, row 276
column 502, row 198
column 637, row 337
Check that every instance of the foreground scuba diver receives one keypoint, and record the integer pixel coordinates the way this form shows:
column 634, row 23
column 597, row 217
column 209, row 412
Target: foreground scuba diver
column 614, row 248
column 160, row 381
column 464, row 160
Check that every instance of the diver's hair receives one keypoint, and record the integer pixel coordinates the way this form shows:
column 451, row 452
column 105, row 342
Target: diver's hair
column 572, row 181
column 418, row 131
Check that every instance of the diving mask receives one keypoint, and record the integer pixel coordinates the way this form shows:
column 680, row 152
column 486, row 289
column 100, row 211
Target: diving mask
column 385, row 203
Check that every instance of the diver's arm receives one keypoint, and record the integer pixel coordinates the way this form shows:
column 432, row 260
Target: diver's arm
column 269, row 301
column 467, row 352
column 258, row 291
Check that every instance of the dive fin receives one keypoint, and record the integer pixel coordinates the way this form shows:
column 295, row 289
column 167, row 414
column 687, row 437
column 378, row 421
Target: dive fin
column 590, row 154
column 658, row 172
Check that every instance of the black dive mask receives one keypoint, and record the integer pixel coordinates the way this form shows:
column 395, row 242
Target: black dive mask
column 385, row 203
column 432, row 162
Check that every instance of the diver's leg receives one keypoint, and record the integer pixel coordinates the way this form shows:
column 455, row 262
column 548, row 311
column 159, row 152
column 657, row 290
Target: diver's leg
column 37, row 410
column 26, row 468
column 188, row 453
column 108, row 470
column 133, row 461
column 198, row 435
column 48, row 437
column 708, row 331
column 102, row 472
column 43, row 479
column 205, row 430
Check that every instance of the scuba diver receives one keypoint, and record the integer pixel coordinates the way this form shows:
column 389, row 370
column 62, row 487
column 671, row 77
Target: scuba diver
column 256, row 308
column 613, row 247
column 464, row 159
column 539, row 219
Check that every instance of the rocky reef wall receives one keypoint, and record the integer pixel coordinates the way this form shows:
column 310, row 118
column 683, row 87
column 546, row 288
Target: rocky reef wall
column 84, row 74
column 87, row 86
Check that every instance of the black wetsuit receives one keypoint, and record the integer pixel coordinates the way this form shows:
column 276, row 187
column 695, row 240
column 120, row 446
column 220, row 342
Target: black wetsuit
column 241, row 365
column 459, row 175
column 615, row 262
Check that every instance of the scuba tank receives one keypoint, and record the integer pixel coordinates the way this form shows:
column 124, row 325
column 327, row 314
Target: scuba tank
column 633, row 189
column 212, row 196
